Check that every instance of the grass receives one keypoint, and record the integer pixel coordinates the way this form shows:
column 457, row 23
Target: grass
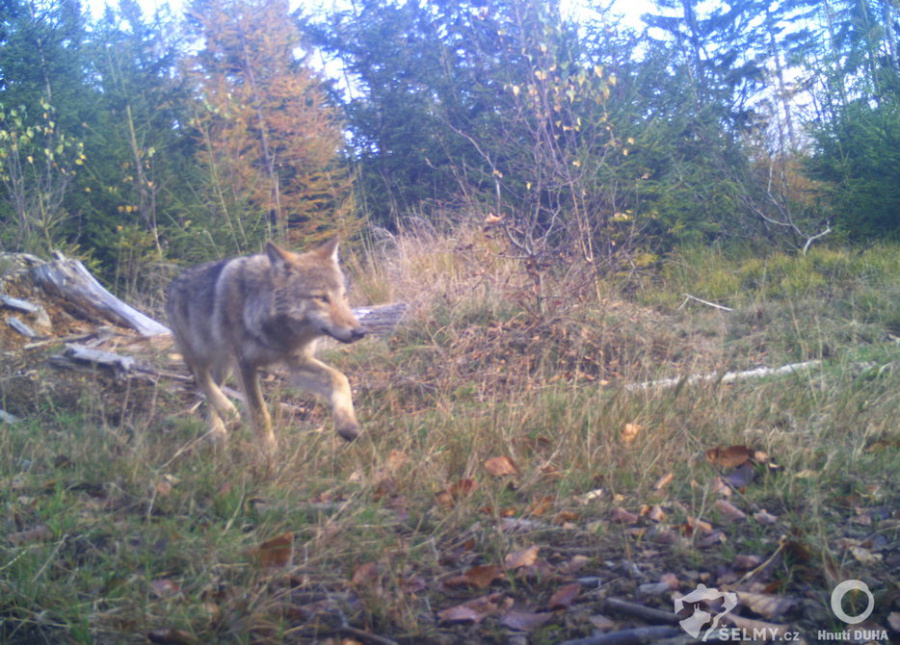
column 119, row 528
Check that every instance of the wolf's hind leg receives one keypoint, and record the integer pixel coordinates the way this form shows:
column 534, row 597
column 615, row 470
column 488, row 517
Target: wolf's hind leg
column 317, row 377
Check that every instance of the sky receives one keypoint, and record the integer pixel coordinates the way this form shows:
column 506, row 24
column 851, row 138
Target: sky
column 630, row 9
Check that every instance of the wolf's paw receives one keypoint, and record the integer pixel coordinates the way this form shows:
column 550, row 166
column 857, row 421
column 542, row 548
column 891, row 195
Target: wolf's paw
column 348, row 431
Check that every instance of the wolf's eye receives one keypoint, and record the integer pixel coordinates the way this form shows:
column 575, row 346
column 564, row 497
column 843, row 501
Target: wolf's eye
column 323, row 298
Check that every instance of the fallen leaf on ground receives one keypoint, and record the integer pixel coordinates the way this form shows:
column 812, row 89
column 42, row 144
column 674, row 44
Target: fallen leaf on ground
column 276, row 552
column 664, row 481
column 621, row 516
column 447, row 499
column 730, row 457
column 413, row 584
column 565, row 596
column 765, row 517
column 482, row 576
column 630, row 432
column 366, row 576
column 865, row 556
column 602, row 623
column 745, row 562
column 524, row 621
column 500, row 466
column 463, row 488
column 729, row 511
column 476, row 610
column 540, row 506
column 523, row 558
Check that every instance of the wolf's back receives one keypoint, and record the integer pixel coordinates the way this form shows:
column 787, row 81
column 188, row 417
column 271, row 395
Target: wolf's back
column 190, row 304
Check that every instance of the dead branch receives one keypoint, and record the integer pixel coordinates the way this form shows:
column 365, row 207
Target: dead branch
column 688, row 297
column 728, row 377
column 70, row 282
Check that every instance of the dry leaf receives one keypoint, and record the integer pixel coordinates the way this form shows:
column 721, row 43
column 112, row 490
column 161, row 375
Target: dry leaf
column 475, row 610
column 277, row 552
column 565, row 596
column 413, row 584
column 602, row 623
column 672, row 580
column 729, row 511
column 630, row 432
column 524, row 621
column 746, row 562
column 565, row 517
column 540, row 506
column 764, row 517
column 664, row 481
column 730, row 457
column 482, row 576
column 523, row 558
column 865, row 556
column 591, row 495
column 463, row 488
column 365, row 575
column 620, row 516
column 574, row 565
column 460, row 614
column 500, row 466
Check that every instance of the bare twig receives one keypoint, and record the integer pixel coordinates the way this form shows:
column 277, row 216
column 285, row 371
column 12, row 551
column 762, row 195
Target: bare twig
column 688, row 297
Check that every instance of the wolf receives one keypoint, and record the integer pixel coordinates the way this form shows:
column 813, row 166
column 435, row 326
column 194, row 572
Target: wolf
column 258, row 310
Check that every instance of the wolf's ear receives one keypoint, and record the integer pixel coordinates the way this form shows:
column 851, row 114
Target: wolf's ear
column 329, row 250
column 278, row 257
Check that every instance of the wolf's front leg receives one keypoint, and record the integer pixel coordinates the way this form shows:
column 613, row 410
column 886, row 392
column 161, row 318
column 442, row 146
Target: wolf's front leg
column 317, row 377
column 256, row 407
column 221, row 410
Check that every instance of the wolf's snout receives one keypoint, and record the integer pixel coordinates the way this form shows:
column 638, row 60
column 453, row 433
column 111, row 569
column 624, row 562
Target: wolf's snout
column 358, row 333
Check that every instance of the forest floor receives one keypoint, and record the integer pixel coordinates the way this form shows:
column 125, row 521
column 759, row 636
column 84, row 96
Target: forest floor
column 526, row 474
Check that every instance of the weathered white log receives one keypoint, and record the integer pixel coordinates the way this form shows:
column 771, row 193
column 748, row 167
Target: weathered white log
column 7, row 417
column 728, row 377
column 380, row 320
column 72, row 283
column 18, row 304
column 20, row 327
column 116, row 362
column 38, row 314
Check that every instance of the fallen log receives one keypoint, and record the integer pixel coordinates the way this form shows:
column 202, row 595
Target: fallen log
column 71, row 283
column 728, row 377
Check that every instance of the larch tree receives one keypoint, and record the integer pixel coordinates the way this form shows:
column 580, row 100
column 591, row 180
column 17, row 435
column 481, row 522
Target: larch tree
column 270, row 140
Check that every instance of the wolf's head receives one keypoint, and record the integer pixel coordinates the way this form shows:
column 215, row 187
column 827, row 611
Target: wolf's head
column 310, row 293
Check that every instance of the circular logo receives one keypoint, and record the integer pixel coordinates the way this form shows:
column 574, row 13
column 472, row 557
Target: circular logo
column 842, row 590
